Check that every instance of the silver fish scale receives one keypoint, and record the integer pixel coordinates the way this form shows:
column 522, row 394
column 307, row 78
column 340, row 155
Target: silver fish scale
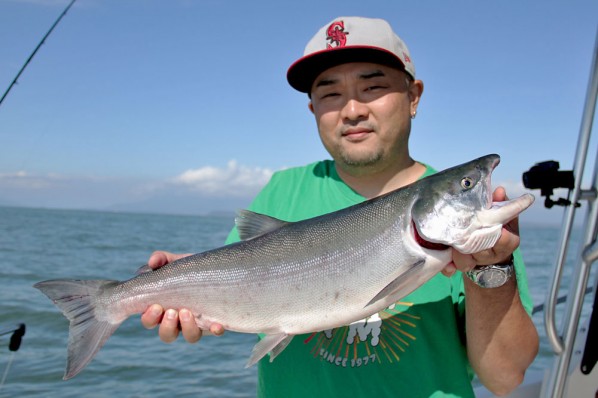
column 347, row 257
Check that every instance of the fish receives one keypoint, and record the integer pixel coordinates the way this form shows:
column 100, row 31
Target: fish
column 288, row 278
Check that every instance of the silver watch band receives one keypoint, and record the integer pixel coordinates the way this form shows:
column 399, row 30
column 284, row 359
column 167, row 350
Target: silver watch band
column 490, row 276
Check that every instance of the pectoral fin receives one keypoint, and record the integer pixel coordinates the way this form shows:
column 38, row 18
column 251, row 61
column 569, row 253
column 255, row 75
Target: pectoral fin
column 402, row 282
column 272, row 343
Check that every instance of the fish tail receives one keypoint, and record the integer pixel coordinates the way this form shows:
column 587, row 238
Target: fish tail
column 87, row 334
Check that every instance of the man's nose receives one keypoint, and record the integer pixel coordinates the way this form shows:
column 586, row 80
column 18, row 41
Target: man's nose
column 354, row 109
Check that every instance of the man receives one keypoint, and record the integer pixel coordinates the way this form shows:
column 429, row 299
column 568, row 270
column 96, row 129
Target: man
column 363, row 93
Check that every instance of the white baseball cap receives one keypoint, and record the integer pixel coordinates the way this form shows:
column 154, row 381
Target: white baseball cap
column 349, row 39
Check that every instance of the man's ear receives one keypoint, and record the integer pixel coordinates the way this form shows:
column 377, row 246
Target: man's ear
column 416, row 88
column 310, row 106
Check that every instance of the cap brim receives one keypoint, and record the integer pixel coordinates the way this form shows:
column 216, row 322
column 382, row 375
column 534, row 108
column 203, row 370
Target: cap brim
column 304, row 71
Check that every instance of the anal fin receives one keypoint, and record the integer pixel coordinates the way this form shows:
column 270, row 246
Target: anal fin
column 271, row 343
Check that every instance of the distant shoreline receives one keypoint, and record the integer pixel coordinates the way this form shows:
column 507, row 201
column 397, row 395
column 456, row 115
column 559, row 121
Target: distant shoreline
column 216, row 213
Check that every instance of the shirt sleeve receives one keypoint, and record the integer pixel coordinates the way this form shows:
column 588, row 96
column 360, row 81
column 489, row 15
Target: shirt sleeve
column 522, row 284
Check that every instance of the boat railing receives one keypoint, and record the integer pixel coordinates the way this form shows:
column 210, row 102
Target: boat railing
column 562, row 342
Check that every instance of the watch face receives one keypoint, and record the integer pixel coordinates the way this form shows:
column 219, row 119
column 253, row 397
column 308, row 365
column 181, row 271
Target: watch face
column 492, row 277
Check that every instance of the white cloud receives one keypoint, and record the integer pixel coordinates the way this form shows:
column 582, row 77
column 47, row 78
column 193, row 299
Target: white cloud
column 198, row 190
column 15, row 175
column 24, row 180
column 234, row 179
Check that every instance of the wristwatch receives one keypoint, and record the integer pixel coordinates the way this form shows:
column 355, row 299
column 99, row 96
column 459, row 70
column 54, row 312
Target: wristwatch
column 490, row 276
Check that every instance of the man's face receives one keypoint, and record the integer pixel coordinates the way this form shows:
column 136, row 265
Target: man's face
column 363, row 112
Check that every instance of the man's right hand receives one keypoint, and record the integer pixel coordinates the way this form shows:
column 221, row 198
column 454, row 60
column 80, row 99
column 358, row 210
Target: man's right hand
column 172, row 321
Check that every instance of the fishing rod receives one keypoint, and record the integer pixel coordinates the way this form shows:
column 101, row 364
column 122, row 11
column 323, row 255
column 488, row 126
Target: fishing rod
column 15, row 343
column 36, row 49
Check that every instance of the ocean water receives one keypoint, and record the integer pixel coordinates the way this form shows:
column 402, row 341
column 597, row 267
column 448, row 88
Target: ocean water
column 40, row 244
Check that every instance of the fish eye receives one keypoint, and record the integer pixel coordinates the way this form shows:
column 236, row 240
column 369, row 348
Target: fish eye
column 466, row 182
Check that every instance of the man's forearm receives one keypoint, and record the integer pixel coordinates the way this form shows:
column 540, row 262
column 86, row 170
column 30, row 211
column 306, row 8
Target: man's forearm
column 502, row 340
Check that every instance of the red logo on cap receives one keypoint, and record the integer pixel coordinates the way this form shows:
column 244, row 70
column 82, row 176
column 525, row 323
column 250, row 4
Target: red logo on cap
column 336, row 35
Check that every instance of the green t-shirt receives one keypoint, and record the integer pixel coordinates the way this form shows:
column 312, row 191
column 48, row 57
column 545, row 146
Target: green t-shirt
column 415, row 348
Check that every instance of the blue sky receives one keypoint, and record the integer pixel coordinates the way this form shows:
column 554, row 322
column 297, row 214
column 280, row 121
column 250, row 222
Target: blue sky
column 183, row 105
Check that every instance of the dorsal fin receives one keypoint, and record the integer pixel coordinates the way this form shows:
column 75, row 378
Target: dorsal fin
column 143, row 269
column 251, row 225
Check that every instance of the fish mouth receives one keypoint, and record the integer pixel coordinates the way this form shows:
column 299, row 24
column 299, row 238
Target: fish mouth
column 494, row 216
column 490, row 223
column 503, row 212
column 493, row 165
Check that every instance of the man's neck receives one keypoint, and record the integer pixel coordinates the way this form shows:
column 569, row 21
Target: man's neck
column 371, row 183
